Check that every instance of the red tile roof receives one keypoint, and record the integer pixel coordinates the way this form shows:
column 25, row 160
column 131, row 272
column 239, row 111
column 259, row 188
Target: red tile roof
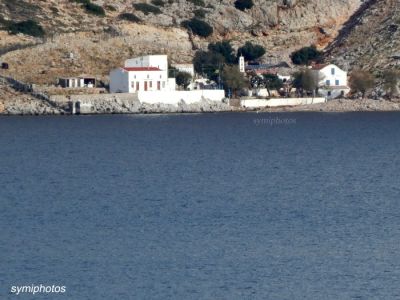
column 136, row 69
column 319, row 66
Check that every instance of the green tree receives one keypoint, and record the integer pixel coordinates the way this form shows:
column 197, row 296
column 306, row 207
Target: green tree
column 272, row 82
column 306, row 55
column 198, row 27
column 251, row 51
column 208, row 64
column 361, row 81
column 306, row 80
column 390, row 82
column 183, row 79
column 232, row 79
column 225, row 49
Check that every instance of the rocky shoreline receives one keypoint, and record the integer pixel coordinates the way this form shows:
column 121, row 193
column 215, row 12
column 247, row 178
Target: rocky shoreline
column 31, row 106
column 342, row 105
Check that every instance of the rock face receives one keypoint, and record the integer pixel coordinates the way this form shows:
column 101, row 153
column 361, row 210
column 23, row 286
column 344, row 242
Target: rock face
column 99, row 44
column 370, row 39
column 124, row 103
column 13, row 102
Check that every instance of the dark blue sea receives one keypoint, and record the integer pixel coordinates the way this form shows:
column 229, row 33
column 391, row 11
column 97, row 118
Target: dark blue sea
column 201, row 206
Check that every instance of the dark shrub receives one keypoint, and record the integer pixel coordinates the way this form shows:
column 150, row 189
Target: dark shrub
column 197, row 2
column 225, row 49
column 183, row 79
column 95, row 9
column 306, row 55
column 29, row 27
column 198, row 27
column 158, row 2
column 244, row 4
column 147, row 8
column 208, row 63
column 81, row 1
column 251, row 51
column 129, row 17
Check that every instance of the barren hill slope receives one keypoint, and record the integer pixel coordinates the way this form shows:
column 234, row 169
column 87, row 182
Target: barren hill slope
column 370, row 39
column 100, row 43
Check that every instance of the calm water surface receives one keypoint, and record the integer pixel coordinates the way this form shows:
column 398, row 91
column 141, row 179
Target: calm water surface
column 216, row 206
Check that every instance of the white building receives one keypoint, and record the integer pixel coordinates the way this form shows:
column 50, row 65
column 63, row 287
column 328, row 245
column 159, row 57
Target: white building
column 77, row 82
column 332, row 81
column 146, row 78
column 188, row 68
column 145, row 73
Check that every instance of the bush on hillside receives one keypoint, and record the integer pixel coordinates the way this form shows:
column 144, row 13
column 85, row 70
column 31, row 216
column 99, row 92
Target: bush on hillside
column 306, row 55
column 244, row 4
column 81, row 1
column 251, row 51
column 198, row 2
column 147, row 8
column 198, row 27
column 29, row 27
column 95, row 9
column 91, row 7
column 225, row 49
column 158, row 2
column 129, row 17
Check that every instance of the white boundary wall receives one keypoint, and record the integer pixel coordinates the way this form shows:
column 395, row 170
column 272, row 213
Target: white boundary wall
column 174, row 97
column 253, row 103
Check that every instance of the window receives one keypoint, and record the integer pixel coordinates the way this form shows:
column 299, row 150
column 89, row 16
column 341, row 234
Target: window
column 163, row 84
column 333, row 71
column 328, row 82
column 132, row 84
column 148, row 76
column 150, row 84
column 337, row 82
column 158, row 85
column 329, row 93
column 134, row 76
column 137, row 85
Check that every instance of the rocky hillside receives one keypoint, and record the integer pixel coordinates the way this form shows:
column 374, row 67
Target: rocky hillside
column 370, row 39
column 76, row 41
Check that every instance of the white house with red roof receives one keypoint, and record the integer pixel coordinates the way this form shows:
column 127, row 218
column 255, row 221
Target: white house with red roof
column 146, row 78
column 145, row 73
column 332, row 81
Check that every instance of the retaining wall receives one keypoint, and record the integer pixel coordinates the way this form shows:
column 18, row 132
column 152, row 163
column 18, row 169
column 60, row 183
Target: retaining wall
column 254, row 103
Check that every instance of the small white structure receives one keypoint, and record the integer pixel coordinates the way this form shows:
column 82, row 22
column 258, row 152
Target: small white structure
column 188, row 68
column 77, row 82
column 242, row 67
column 333, row 81
column 145, row 73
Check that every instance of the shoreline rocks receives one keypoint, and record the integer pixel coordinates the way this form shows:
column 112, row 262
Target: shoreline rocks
column 37, row 107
